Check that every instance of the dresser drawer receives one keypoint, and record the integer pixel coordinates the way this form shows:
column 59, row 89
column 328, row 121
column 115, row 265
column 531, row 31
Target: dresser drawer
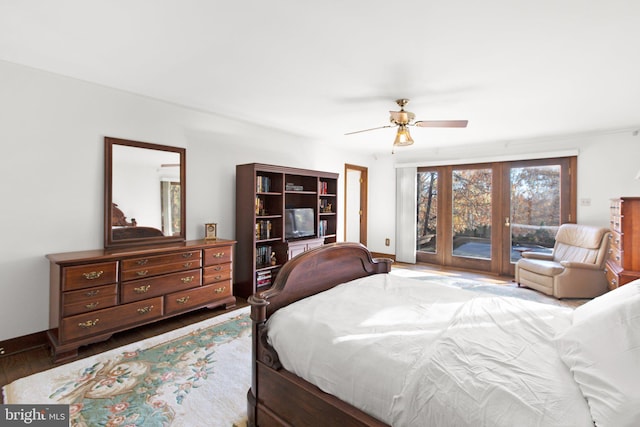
column 155, row 270
column 616, row 223
column 137, row 264
column 216, row 273
column 219, row 255
column 95, row 303
column 113, row 318
column 89, row 294
column 615, row 240
column 136, row 290
column 616, row 256
column 611, row 272
column 89, row 275
column 185, row 300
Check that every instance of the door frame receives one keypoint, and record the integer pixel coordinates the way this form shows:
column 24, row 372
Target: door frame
column 568, row 204
column 364, row 180
column 500, row 263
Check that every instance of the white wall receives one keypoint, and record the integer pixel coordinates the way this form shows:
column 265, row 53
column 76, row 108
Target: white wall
column 608, row 163
column 52, row 131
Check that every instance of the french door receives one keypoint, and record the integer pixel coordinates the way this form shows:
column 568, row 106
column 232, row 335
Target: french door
column 483, row 216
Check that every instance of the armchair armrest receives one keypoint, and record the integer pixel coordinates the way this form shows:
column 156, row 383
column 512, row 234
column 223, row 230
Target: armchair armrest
column 574, row 264
column 537, row 255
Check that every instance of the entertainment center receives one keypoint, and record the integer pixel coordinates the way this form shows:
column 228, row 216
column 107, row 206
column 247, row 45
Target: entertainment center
column 280, row 213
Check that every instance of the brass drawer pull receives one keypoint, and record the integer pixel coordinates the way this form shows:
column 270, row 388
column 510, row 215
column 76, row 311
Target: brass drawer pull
column 142, row 289
column 92, row 293
column 218, row 277
column 142, row 261
column 218, row 268
column 88, row 323
column 187, row 255
column 220, row 290
column 218, row 255
column 187, row 264
column 93, row 275
column 145, row 310
column 142, row 272
column 182, row 300
column 92, row 305
column 187, row 279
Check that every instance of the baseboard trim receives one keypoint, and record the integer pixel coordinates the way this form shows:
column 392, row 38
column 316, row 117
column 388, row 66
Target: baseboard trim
column 381, row 255
column 23, row 343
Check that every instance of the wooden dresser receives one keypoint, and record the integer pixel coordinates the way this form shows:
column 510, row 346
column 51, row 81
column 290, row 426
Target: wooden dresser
column 94, row 294
column 623, row 263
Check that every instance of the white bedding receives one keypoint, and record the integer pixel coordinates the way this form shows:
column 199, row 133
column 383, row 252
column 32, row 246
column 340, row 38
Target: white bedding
column 415, row 353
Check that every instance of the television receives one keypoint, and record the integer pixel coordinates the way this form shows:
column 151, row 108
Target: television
column 299, row 222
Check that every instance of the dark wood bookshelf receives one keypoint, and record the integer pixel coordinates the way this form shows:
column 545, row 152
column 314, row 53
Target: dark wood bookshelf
column 263, row 192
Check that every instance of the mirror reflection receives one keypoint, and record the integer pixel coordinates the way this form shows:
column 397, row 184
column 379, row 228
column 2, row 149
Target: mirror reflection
column 145, row 192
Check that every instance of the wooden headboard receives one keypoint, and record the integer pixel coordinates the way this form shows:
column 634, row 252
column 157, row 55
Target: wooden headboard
column 118, row 217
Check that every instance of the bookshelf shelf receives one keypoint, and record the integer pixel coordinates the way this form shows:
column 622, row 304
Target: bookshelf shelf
column 263, row 192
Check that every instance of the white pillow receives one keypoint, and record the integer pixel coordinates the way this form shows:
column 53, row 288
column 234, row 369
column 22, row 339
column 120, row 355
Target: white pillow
column 606, row 301
column 602, row 351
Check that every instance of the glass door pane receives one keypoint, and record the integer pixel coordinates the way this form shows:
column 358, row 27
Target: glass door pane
column 471, row 214
column 535, row 208
column 427, row 212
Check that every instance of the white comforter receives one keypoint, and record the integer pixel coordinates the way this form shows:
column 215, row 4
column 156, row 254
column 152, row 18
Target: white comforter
column 414, row 353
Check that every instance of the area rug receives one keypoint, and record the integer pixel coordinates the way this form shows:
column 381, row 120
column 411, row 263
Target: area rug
column 194, row 376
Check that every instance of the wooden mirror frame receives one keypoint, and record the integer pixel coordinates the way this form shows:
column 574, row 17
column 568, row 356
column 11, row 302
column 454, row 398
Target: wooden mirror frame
column 109, row 241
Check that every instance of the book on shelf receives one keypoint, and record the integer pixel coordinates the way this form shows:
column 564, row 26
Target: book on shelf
column 263, row 184
column 263, row 278
column 322, row 227
column 324, row 187
column 293, row 187
column 259, row 206
column 263, row 229
column 263, row 256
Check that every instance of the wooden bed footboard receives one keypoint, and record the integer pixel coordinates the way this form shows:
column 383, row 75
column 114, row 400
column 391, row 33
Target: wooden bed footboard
column 278, row 397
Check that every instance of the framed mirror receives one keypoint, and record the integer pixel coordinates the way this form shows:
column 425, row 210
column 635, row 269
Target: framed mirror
column 144, row 193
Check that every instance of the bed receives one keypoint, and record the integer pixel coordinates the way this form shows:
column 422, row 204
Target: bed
column 122, row 229
column 339, row 341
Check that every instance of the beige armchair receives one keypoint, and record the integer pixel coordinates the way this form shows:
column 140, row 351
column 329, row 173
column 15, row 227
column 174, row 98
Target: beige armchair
column 575, row 269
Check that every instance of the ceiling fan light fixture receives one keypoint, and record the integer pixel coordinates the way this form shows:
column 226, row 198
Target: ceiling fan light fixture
column 403, row 137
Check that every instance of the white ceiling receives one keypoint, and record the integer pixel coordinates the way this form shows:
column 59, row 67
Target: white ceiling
column 515, row 69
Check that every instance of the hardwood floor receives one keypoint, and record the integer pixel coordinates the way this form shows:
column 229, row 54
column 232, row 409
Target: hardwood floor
column 38, row 359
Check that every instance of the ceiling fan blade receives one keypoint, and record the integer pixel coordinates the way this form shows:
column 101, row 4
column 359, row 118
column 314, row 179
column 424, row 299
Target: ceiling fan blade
column 442, row 123
column 367, row 130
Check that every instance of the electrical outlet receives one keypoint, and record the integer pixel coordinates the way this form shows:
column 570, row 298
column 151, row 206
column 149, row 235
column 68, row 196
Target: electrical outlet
column 387, row 241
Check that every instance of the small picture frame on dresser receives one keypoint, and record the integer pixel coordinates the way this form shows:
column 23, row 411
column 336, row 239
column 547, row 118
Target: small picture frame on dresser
column 211, row 231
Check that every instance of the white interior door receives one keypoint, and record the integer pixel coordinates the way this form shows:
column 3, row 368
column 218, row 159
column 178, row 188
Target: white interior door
column 352, row 208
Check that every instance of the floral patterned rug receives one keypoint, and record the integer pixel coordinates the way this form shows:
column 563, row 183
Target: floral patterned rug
column 195, row 376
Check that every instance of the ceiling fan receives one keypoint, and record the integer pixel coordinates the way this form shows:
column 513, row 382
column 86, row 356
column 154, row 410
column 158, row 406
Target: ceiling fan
column 403, row 119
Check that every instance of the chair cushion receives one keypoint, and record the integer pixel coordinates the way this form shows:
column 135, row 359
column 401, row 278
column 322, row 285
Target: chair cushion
column 584, row 236
column 578, row 243
column 564, row 252
column 539, row 266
